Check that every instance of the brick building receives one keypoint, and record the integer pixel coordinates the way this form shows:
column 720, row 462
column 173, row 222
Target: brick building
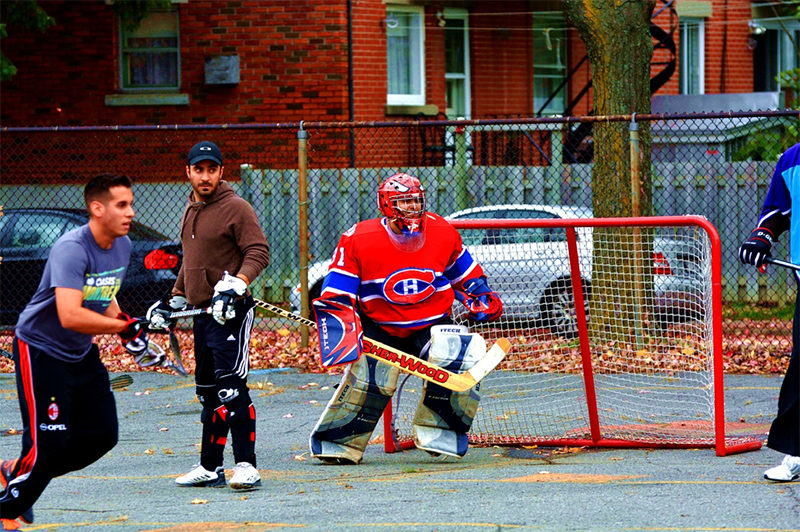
column 212, row 62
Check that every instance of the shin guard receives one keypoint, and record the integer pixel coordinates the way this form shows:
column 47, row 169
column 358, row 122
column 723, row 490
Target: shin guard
column 240, row 416
column 444, row 417
column 215, row 433
column 343, row 431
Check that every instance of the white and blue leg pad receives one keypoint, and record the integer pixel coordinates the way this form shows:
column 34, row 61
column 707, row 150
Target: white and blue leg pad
column 444, row 417
column 343, row 431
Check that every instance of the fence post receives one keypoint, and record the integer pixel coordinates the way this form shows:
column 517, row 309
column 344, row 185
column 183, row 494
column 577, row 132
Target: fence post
column 636, row 211
column 460, row 163
column 253, row 191
column 302, row 166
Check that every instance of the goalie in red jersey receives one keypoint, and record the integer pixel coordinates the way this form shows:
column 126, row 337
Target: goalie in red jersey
column 394, row 279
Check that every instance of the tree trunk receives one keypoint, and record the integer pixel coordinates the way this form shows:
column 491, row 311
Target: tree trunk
column 617, row 38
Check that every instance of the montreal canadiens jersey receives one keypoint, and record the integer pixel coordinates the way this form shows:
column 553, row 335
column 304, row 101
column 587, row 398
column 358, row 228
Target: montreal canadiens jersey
column 784, row 189
column 400, row 291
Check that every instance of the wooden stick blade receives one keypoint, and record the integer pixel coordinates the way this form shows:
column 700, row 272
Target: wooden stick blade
column 493, row 357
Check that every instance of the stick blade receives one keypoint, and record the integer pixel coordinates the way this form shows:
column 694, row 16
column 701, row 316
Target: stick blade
column 493, row 357
column 176, row 352
column 121, row 382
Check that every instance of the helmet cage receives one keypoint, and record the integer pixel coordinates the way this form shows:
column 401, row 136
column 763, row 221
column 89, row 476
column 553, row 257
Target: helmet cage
column 401, row 198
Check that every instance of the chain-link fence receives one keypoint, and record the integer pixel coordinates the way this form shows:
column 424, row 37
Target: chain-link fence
column 716, row 165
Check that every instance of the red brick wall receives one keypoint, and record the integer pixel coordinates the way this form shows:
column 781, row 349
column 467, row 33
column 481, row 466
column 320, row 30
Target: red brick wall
column 369, row 59
column 293, row 62
column 726, row 31
column 501, row 59
column 292, row 59
column 734, row 72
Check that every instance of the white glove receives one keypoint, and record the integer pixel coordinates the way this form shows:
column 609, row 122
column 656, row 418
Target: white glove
column 158, row 313
column 226, row 291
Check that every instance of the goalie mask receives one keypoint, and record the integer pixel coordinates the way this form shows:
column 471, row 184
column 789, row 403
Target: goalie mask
column 401, row 199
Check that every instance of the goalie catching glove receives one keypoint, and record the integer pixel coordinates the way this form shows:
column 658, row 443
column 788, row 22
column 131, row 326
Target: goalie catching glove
column 158, row 313
column 226, row 291
column 482, row 303
column 339, row 327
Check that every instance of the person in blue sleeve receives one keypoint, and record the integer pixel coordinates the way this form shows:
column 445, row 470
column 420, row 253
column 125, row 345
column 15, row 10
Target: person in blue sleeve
column 776, row 217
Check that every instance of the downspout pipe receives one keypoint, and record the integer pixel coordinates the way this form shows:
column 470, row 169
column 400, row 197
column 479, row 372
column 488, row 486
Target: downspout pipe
column 350, row 83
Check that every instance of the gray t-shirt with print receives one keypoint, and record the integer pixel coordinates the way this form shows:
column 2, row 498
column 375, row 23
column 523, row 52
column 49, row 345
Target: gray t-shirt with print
column 75, row 261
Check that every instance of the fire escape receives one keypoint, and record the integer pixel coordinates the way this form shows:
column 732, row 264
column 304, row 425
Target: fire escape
column 578, row 147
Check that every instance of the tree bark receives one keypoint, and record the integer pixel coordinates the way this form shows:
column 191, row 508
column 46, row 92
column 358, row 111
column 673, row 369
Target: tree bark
column 617, row 38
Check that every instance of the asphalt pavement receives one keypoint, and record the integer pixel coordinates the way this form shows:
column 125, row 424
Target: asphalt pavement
column 491, row 489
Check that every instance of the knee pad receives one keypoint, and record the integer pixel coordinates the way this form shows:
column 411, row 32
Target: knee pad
column 443, row 417
column 343, row 431
column 210, row 403
column 232, row 392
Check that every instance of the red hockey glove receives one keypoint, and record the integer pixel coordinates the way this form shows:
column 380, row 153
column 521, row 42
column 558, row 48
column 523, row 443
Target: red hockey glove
column 482, row 303
column 134, row 337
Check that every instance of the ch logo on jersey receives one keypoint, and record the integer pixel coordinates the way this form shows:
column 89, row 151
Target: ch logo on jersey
column 409, row 286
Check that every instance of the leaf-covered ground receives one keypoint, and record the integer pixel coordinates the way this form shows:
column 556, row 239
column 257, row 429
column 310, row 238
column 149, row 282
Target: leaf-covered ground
column 749, row 347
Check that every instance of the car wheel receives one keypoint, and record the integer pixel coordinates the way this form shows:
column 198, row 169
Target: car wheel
column 558, row 308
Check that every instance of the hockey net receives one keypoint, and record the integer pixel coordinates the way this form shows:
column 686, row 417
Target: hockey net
column 632, row 358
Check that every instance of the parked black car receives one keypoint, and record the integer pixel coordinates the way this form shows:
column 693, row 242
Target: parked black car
column 27, row 235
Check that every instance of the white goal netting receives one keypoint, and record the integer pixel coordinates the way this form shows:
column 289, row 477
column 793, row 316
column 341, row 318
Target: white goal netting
column 639, row 371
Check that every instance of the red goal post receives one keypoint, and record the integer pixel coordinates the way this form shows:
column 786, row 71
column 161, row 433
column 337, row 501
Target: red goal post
column 650, row 377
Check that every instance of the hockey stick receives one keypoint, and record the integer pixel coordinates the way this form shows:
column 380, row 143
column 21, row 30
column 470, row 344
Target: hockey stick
column 778, row 262
column 174, row 344
column 457, row 382
column 117, row 383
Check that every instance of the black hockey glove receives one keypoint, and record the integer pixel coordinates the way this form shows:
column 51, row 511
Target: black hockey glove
column 756, row 249
column 158, row 313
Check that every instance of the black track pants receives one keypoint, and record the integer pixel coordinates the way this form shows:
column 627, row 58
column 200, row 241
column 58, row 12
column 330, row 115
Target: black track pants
column 69, row 420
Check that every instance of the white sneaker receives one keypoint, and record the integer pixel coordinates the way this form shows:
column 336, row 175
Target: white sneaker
column 200, row 477
column 788, row 471
column 245, row 477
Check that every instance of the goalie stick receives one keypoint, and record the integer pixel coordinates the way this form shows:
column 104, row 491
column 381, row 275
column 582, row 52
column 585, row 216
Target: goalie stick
column 457, row 382
column 117, row 383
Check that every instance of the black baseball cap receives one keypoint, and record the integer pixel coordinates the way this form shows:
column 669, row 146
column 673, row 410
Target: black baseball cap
column 205, row 151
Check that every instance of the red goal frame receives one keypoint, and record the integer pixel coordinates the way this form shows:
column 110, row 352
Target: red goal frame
column 723, row 445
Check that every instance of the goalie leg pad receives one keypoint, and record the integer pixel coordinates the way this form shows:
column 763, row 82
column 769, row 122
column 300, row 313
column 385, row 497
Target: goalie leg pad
column 343, row 431
column 443, row 417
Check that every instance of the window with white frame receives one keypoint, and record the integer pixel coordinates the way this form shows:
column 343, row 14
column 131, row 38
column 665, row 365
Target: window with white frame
column 150, row 54
column 776, row 45
column 405, row 58
column 456, row 63
column 692, row 55
column 549, row 63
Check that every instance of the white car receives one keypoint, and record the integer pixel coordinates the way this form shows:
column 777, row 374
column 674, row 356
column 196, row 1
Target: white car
column 529, row 268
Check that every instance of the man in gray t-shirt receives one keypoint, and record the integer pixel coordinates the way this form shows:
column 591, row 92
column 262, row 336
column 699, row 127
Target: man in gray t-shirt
column 68, row 411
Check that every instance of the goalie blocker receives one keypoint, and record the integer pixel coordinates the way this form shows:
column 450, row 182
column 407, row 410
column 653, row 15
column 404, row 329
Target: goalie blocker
column 339, row 326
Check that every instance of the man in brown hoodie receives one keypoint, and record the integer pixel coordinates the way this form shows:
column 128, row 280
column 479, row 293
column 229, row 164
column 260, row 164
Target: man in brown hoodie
column 224, row 249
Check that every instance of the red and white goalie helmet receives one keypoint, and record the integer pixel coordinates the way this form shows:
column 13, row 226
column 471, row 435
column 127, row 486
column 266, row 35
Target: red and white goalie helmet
column 401, row 198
